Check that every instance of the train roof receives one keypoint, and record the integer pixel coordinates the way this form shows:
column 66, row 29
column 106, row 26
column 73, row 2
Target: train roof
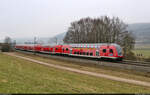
column 97, row 45
column 94, row 45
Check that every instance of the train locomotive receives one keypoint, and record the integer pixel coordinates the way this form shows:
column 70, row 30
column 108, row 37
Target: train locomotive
column 100, row 51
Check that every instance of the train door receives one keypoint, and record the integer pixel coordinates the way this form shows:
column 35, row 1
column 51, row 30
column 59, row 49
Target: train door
column 97, row 53
column 110, row 52
column 70, row 50
column 53, row 50
column 63, row 50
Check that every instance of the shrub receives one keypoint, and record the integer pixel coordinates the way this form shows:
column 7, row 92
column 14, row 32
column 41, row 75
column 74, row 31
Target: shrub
column 130, row 56
column 6, row 47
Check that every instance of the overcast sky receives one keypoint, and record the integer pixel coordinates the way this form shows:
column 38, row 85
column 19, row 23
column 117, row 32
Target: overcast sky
column 46, row 18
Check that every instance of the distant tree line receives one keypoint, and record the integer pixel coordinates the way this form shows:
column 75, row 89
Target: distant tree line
column 100, row 30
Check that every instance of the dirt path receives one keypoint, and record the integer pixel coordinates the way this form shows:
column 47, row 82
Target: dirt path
column 85, row 72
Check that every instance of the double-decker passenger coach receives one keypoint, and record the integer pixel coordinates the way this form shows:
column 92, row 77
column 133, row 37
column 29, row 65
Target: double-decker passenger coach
column 101, row 51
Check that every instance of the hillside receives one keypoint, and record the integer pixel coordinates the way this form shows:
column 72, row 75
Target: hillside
column 43, row 40
column 59, row 38
column 141, row 32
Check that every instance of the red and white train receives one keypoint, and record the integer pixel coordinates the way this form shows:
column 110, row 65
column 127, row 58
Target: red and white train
column 104, row 51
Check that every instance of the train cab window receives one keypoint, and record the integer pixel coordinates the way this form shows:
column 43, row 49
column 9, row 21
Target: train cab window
column 111, row 51
column 91, row 54
column 104, row 50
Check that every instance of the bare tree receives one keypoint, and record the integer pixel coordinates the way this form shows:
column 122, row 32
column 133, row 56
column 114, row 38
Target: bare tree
column 100, row 30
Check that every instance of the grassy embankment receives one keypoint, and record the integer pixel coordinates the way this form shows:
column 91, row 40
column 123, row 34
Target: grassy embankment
column 21, row 76
column 145, row 53
column 142, row 51
column 130, row 74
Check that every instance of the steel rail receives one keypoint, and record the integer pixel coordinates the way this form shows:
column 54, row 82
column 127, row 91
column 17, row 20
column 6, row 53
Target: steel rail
column 128, row 62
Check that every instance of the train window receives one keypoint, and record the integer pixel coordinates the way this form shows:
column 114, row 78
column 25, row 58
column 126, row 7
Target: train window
column 63, row 49
column 87, row 46
column 74, row 52
column 78, row 53
column 91, row 54
column 87, row 53
column 83, row 53
column 111, row 51
column 56, row 48
column 104, row 50
column 66, row 49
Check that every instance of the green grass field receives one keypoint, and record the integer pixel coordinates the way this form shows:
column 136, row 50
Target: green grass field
column 143, row 49
column 142, row 46
column 131, row 74
column 21, row 76
column 145, row 52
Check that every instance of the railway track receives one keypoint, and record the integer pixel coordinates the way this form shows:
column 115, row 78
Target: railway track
column 137, row 63
column 130, row 62
column 126, row 64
